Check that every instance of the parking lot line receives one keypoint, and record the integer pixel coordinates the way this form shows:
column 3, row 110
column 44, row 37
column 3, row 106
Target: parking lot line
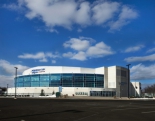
column 149, row 112
column 85, row 117
column 125, row 109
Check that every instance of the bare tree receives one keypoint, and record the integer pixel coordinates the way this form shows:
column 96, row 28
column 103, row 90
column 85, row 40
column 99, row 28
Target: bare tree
column 150, row 89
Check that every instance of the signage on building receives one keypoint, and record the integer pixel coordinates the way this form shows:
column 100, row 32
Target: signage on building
column 81, row 93
column 34, row 71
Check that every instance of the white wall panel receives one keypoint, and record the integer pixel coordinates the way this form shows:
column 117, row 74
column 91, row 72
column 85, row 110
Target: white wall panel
column 61, row 69
column 99, row 70
column 87, row 70
column 112, row 77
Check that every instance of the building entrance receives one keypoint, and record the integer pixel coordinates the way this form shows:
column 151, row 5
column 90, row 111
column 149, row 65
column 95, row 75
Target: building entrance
column 103, row 93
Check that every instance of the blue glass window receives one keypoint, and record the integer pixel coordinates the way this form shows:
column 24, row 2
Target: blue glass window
column 55, row 80
column 19, row 85
column 27, row 84
column 35, row 78
column 89, row 77
column 78, row 77
column 78, row 80
column 44, row 84
column 20, row 79
column 99, row 77
column 67, row 80
column 56, row 77
column 35, row 84
column 44, row 77
column 89, row 80
column 99, row 81
column 27, row 78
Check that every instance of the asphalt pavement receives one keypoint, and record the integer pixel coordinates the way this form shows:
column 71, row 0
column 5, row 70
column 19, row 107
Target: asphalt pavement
column 32, row 109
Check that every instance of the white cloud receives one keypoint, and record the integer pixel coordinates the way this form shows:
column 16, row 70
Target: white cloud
column 66, row 13
column 15, row 7
column 4, row 80
column 103, row 11
column 68, row 54
column 80, row 56
column 126, row 15
column 41, row 56
column 82, row 15
column 51, row 55
column 52, row 12
column 99, row 50
column 8, row 72
column 151, row 50
column 43, row 60
column 77, row 44
column 133, row 49
column 141, row 58
column 141, row 72
column 11, row 6
column 9, row 68
column 83, row 49
column 32, row 56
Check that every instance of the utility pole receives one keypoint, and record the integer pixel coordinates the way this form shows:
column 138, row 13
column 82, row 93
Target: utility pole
column 120, row 89
column 15, row 80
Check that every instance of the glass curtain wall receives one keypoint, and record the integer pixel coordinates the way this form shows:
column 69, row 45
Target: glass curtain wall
column 44, row 80
column 27, row 81
column 64, row 80
column 35, row 81
column 78, row 80
column 67, row 80
column 55, row 80
column 99, row 81
column 89, row 80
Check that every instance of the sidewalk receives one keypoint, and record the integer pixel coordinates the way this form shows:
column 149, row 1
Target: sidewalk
column 107, row 98
column 83, row 98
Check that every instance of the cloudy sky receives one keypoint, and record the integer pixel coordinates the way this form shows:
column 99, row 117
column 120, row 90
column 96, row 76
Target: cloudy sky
column 85, row 33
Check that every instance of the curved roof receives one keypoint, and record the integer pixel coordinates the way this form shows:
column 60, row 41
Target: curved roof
column 62, row 69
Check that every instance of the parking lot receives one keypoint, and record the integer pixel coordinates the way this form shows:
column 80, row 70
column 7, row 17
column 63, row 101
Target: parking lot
column 31, row 109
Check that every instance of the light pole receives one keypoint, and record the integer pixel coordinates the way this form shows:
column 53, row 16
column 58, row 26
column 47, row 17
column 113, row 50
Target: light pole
column 128, row 78
column 15, row 80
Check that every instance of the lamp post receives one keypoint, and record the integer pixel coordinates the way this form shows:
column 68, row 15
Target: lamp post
column 128, row 78
column 15, row 80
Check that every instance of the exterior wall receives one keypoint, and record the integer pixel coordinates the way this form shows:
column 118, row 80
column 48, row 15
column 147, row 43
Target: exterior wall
column 122, row 81
column 105, row 77
column 100, row 70
column 115, row 79
column 135, row 89
column 35, row 91
column 58, row 69
column 112, row 77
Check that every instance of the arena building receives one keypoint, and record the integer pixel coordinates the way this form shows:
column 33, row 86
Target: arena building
column 73, row 81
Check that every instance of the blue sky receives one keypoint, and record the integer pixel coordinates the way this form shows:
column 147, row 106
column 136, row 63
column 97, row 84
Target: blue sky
column 77, row 33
